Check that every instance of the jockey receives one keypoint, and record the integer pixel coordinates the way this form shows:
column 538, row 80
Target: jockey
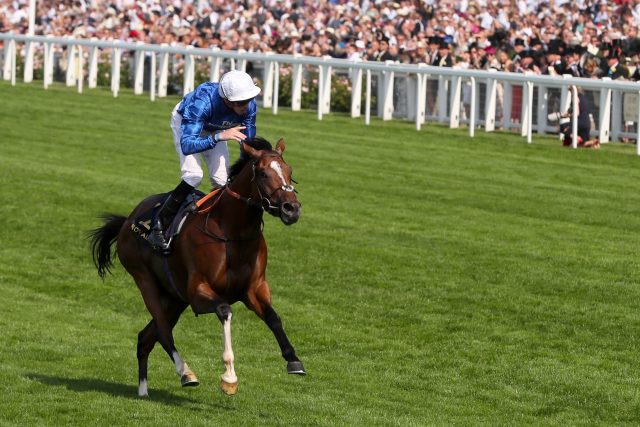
column 203, row 122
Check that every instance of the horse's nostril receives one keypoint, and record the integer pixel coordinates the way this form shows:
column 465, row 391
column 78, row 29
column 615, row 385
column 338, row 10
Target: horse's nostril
column 289, row 208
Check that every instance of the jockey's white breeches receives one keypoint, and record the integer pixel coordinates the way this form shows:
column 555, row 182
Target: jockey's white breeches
column 216, row 158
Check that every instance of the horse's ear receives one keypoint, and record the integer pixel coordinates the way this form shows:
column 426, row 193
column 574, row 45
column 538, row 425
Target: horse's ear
column 252, row 152
column 280, row 146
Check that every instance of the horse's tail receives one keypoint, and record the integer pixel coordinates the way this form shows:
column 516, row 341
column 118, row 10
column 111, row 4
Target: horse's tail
column 101, row 240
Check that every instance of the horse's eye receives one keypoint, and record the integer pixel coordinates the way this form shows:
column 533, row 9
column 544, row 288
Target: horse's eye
column 262, row 174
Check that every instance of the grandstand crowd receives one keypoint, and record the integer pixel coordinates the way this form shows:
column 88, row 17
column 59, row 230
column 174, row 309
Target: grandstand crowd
column 579, row 37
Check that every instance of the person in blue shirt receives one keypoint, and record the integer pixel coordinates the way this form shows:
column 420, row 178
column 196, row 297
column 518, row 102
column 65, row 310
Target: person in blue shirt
column 202, row 123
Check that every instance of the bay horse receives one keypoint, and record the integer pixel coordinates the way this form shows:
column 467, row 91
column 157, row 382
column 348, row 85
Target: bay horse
column 219, row 258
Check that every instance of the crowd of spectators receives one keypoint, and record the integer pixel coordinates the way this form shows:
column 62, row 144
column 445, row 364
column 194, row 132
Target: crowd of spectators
column 580, row 37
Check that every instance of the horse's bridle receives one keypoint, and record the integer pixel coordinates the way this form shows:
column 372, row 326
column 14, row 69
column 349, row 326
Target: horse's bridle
column 265, row 202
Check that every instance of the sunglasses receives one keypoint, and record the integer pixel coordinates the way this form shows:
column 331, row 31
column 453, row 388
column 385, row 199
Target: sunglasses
column 241, row 103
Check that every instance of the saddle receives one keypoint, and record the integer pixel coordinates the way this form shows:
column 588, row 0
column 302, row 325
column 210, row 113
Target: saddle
column 142, row 224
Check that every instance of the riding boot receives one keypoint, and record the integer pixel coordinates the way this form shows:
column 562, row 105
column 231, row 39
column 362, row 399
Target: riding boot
column 167, row 212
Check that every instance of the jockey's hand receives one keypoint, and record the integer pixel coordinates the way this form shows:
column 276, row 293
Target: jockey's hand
column 234, row 134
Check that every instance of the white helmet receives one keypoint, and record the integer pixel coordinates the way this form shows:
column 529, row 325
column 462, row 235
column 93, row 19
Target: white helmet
column 237, row 85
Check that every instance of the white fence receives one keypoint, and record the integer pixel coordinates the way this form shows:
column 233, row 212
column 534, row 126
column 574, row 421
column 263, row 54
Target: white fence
column 414, row 92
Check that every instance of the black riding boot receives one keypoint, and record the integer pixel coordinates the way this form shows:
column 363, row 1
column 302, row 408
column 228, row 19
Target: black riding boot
column 165, row 215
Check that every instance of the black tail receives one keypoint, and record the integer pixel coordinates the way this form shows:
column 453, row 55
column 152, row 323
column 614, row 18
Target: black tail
column 101, row 240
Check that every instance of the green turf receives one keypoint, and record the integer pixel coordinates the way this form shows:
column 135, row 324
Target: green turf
column 432, row 278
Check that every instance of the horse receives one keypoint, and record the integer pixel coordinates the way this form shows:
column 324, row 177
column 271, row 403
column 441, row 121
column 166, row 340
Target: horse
column 218, row 258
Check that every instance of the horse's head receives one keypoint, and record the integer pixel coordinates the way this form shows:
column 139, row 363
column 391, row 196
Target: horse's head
column 272, row 178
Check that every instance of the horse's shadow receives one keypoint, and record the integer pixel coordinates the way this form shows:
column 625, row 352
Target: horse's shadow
column 111, row 388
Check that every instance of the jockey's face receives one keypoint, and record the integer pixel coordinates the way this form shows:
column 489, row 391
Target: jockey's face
column 238, row 107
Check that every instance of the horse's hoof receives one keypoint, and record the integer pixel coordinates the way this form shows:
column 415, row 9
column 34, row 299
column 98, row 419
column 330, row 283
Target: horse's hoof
column 296, row 367
column 189, row 380
column 228, row 388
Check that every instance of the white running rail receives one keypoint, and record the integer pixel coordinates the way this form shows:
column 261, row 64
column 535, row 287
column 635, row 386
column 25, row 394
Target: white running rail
column 454, row 94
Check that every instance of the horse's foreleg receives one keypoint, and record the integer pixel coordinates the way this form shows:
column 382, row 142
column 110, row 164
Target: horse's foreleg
column 228, row 380
column 259, row 301
column 273, row 321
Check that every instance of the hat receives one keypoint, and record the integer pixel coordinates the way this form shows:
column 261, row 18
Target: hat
column 535, row 42
column 519, row 42
column 237, row 85
column 527, row 53
column 556, row 47
column 359, row 44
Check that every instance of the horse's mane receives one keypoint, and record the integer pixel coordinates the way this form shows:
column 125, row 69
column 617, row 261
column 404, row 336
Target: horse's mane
column 257, row 143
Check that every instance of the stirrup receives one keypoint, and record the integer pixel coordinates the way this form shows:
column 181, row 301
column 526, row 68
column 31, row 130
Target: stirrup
column 158, row 242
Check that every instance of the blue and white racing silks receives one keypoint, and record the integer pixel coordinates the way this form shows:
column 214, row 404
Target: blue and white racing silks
column 203, row 112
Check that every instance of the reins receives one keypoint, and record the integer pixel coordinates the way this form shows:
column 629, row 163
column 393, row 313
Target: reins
column 264, row 204
column 214, row 236
column 218, row 192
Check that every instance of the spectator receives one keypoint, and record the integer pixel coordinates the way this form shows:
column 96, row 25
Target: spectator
column 591, row 68
column 444, row 57
column 573, row 54
column 413, row 29
column 383, row 52
column 583, row 108
column 555, row 67
column 615, row 70
column 528, row 64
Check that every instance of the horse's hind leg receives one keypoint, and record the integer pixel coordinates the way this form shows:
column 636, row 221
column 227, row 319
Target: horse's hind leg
column 260, row 303
column 165, row 313
column 146, row 340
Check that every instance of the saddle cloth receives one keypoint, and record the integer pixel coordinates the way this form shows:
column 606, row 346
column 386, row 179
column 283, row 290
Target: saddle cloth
column 143, row 223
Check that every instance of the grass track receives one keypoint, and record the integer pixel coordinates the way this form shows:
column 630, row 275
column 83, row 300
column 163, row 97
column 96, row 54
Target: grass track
column 432, row 278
